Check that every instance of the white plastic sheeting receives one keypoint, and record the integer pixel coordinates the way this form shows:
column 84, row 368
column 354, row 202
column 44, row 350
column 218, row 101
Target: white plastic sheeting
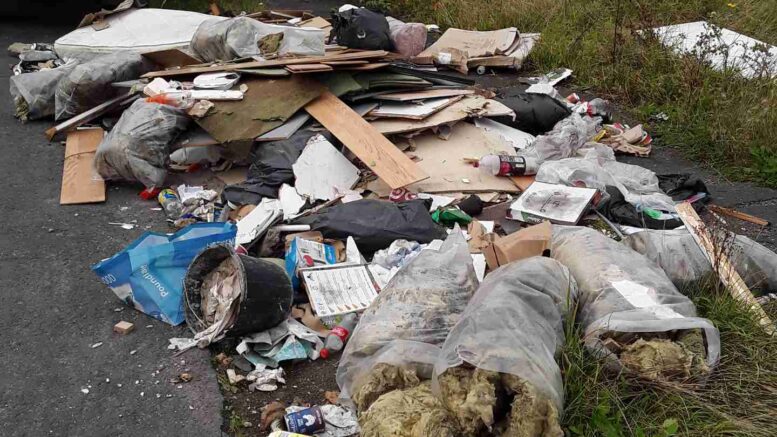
column 722, row 48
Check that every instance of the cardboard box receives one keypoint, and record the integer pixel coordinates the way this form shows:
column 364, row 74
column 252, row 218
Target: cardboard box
column 528, row 242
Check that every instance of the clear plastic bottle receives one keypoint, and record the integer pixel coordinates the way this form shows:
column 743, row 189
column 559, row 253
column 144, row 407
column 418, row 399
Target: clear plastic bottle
column 504, row 165
column 335, row 341
column 170, row 203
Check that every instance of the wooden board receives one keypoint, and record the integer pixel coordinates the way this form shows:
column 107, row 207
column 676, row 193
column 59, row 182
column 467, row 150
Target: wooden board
column 378, row 153
column 341, row 63
column 444, row 161
column 423, row 95
column 78, row 182
column 738, row 215
column 522, row 182
column 340, row 56
column 171, row 58
column 466, row 107
column 309, row 68
column 366, row 67
column 267, row 104
column 721, row 264
column 87, row 116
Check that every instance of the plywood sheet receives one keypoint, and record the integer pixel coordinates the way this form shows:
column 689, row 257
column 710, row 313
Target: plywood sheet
column 369, row 145
column 79, row 184
column 266, row 105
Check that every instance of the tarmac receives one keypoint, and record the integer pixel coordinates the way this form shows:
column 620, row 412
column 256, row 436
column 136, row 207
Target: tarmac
column 55, row 309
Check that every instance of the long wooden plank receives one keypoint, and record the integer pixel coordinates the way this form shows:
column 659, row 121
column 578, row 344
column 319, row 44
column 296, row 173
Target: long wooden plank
column 78, row 183
column 87, row 116
column 720, row 262
column 369, row 145
column 731, row 212
column 368, row 54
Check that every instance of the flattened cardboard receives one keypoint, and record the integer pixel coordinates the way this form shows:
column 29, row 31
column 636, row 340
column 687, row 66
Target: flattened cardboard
column 528, row 242
column 78, row 182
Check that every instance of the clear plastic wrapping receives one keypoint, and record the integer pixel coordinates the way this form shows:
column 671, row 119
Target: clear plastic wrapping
column 638, row 185
column 565, row 139
column 33, row 93
column 623, row 292
column 137, row 147
column 514, row 325
column 412, row 316
column 89, row 83
column 239, row 37
column 683, row 261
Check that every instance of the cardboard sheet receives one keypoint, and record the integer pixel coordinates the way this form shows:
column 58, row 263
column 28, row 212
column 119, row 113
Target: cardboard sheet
column 469, row 106
column 448, row 173
column 410, row 96
column 475, row 43
column 80, row 183
column 528, row 242
column 413, row 110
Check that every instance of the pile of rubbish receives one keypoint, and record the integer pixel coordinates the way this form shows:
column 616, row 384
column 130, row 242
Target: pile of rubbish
column 342, row 185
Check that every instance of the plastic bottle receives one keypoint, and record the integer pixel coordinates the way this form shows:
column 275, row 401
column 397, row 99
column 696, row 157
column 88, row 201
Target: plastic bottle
column 170, row 204
column 179, row 99
column 338, row 335
column 503, row 165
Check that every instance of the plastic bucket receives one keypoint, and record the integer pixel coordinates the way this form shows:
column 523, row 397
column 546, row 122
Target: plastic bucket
column 265, row 294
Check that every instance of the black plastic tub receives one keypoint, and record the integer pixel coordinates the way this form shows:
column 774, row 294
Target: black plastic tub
column 265, row 295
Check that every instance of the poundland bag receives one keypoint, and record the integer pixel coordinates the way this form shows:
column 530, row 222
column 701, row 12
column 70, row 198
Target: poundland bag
column 148, row 274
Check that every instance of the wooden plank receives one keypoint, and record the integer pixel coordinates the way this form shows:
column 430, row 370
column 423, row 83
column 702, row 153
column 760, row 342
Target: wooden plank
column 738, row 215
column 720, row 263
column 87, row 116
column 78, row 183
column 369, row 145
column 366, row 67
column 366, row 54
column 171, row 58
column 309, row 68
column 341, row 63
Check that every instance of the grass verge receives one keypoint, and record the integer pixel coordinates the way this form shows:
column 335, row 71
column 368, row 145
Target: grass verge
column 715, row 117
column 740, row 397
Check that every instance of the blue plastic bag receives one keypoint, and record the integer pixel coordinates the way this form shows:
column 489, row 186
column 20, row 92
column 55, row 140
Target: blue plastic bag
column 148, row 274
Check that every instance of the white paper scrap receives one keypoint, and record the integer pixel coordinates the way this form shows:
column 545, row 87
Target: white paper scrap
column 257, row 221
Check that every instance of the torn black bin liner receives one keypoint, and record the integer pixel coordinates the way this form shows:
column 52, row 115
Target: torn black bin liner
column 534, row 113
column 375, row 224
column 619, row 211
column 681, row 186
column 361, row 28
column 270, row 169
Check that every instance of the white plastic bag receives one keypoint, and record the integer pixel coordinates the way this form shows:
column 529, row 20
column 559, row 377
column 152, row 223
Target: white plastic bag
column 37, row 89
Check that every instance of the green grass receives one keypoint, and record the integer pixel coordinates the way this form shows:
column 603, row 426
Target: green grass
column 715, row 117
column 739, row 398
